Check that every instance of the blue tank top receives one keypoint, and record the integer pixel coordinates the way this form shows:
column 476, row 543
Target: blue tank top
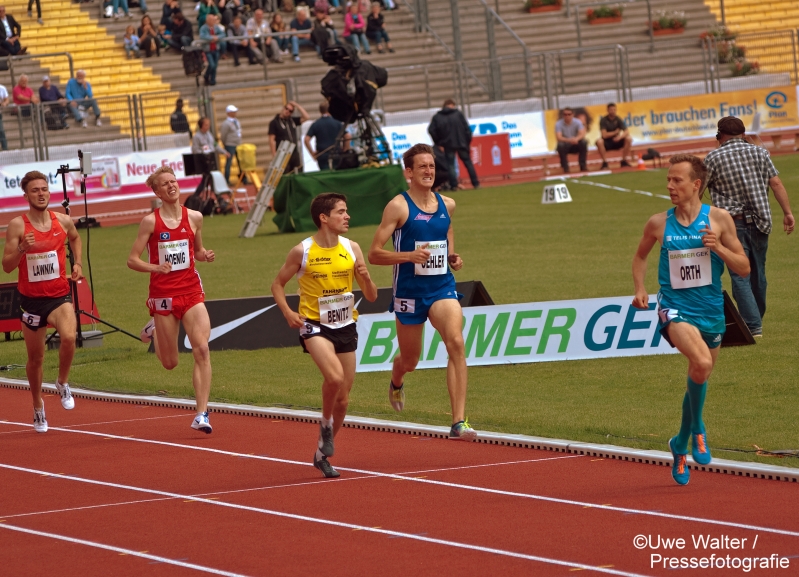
column 690, row 274
column 434, row 276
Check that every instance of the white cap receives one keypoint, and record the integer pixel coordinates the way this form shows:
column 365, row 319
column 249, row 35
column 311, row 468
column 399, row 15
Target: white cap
column 231, row 108
column 45, row 79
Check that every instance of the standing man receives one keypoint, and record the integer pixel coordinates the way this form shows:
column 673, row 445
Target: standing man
column 696, row 242
column 284, row 127
column 230, row 135
column 35, row 246
column 80, row 96
column 325, row 265
column 570, row 132
column 326, row 131
column 450, row 132
column 424, row 287
column 615, row 136
column 739, row 176
column 172, row 236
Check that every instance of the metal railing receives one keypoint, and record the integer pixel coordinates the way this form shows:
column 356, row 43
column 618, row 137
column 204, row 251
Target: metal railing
column 493, row 18
column 12, row 60
column 577, row 19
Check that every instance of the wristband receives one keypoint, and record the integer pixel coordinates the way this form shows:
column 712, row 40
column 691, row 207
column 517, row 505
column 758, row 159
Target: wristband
column 20, row 250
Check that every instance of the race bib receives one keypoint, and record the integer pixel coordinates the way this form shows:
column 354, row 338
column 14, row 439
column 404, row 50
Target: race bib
column 404, row 305
column 690, row 268
column 161, row 304
column 309, row 329
column 42, row 266
column 175, row 252
column 437, row 263
column 336, row 311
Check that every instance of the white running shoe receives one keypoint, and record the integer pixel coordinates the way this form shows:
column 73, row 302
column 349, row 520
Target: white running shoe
column 39, row 421
column 66, row 396
column 146, row 333
column 201, row 423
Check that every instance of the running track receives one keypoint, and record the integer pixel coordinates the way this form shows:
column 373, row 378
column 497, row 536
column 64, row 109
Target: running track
column 119, row 489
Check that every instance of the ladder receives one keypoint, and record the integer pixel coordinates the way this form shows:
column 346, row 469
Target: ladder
column 267, row 190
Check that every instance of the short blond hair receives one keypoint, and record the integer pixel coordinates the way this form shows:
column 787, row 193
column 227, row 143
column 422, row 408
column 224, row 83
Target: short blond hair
column 158, row 172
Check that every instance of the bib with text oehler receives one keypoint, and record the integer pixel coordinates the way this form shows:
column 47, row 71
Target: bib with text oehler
column 690, row 268
column 436, row 262
column 175, row 252
column 42, row 266
column 335, row 311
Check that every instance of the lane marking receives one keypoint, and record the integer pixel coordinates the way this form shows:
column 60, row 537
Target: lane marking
column 186, row 414
column 489, row 465
column 625, row 510
column 293, row 516
column 121, row 551
column 620, row 189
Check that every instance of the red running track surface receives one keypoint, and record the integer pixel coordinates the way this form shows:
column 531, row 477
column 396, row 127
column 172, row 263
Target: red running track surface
column 117, row 489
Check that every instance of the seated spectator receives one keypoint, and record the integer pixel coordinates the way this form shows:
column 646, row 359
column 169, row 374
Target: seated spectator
column 178, row 121
column 56, row 111
column 24, row 97
column 206, row 7
column 278, row 25
column 236, row 46
column 148, row 37
column 215, row 34
column 115, row 8
column 131, row 42
column 10, row 31
column 257, row 29
column 570, row 133
column 301, row 23
column 181, row 32
column 3, row 104
column 615, row 136
column 230, row 9
column 388, row 4
column 168, row 10
column 355, row 28
column 324, row 33
column 80, row 97
column 376, row 28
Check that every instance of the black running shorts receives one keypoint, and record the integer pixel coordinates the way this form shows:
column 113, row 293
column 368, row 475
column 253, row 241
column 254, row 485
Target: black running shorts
column 34, row 311
column 345, row 340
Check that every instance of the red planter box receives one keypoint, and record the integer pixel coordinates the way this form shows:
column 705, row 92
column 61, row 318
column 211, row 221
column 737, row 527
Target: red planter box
column 548, row 8
column 608, row 20
column 667, row 31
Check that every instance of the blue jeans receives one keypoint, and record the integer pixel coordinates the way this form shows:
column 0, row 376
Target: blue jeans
column 84, row 104
column 359, row 40
column 379, row 36
column 750, row 292
column 297, row 42
column 123, row 3
column 229, row 162
column 213, row 61
column 142, row 5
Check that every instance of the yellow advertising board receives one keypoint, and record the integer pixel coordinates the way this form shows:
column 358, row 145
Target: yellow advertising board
column 651, row 121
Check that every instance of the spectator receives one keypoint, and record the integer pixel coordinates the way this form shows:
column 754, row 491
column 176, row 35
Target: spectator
column 3, row 104
column 131, row 42
column 326, row 130
column 230, row 9
column 203, row 142
column 355, row 28
column 214, row 33
column 206, row 7
column 570, row 134
column 284, row 127
column 450, row 132
column 58, row 111
column 38, row 11
column 115, row 8
column 615, row 136
column 169, row 9
column 258, row 28
column 24, row 97
column 739, row 175
column 376, row 28
column 324, row 33
column 388, row 4
column 278, row 25
column 230, row 135
column 148, row 37
column 182, row 33
column 178, row 121
column 301, row 23
column 10, row 32
column 236, row 46
column 79, row 94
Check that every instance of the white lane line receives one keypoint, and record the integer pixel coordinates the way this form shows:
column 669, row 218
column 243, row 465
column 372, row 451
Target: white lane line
column 321, row 521
column 490, row 465
column 620, row 189
column 184, row 415
column 121, row 550
column 583, row 504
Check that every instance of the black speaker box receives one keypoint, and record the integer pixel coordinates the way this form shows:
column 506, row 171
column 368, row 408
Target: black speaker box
column 193, row 61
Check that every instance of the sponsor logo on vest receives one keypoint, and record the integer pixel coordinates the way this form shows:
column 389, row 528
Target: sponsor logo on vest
column 424, row 217
column 337, row 291
column 163, row 236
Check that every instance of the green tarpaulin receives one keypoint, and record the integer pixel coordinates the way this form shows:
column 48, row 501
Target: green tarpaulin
column 368, row 191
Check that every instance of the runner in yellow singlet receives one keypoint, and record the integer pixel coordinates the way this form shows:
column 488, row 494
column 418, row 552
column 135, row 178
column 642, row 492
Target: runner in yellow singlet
column 325, row 265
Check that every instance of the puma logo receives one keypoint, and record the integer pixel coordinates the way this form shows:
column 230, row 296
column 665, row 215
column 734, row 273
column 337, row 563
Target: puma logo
column 344, row 256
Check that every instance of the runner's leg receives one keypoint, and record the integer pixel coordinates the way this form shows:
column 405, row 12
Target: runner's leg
column 198, row 329
column 34, row 343
column 446, row 316
column 409, row 339
column 165, row 340
column 64, row 321
column 324, row 355
column 347, row 361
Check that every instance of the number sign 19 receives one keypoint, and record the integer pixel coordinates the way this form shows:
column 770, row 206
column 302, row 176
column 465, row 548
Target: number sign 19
column 555, row 194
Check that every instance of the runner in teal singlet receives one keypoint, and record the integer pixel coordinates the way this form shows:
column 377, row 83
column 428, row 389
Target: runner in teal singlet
column 696, row 242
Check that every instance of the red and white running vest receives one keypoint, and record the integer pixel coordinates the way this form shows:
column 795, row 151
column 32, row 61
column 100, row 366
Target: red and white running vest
column 174, row 245
column 42, row 270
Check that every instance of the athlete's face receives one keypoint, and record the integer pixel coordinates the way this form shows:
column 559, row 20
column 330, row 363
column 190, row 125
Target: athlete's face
column 166, row 187
column 38, row 195
column 423, row 172
column 338, row 221
column 679, row 183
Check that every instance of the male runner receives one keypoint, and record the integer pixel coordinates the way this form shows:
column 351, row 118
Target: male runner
column 424, row 287
column 35, row 245
column 325, row 264
column 696, row 240
column 172, row 236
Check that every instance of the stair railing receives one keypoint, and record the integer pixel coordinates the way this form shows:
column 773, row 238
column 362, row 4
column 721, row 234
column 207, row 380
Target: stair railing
column 10, row 60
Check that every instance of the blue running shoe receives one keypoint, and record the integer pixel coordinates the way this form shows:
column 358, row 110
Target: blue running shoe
column 201, row 423
column 679, row 469
column 699, row 449
column 462, row 431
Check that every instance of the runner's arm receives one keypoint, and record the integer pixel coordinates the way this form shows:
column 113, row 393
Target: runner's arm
column 201, row 254
column 648, row 240
column 454, row 259
column 392, row 216
column 74, row 243
column 135, row 262
column 725, row 243
column 287, row 271
column 365, row 281
column 16, row 244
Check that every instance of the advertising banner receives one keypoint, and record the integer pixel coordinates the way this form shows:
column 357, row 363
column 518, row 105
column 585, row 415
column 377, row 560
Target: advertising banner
column 490, row 156
column 652, row 121
column 525, row 333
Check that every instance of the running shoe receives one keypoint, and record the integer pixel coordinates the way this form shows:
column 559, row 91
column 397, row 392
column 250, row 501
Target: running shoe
column 201, row 423
column 462, row 431
column 324, row 465
column 699, row 449
column 146, row 333
column 326, row 440
column 396, row 396
column 66, row 396
column 39, row 421
column 679, row 469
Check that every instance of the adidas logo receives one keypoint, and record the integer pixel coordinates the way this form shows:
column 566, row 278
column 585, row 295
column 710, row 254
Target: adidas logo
column 182, row 230
column 717, row 339
column 442, row 216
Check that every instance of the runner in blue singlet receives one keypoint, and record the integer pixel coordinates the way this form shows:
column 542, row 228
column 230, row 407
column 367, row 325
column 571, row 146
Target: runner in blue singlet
column 424, row 288
column 696, row 242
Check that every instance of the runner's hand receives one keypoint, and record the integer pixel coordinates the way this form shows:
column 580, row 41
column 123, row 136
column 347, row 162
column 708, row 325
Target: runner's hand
column 209, row 256
column 164, row 268
column 641, row 300
column 77, row 273
column 419, row 256
column 28, row 241
column 455, row 261
column 294, row 320
column 361, row 270
column 709, row 239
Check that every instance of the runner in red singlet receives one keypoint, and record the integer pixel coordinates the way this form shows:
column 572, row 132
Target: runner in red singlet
column 35, row 245
column 172, row 237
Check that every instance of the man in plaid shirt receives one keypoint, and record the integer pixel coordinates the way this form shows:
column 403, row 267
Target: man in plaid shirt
column 739, row 176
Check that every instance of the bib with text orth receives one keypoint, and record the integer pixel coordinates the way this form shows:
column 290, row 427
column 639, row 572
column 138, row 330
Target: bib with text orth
column 690, row 268
column 437, row 262
column 336, row 311
column 175, row 252
column 42, row 266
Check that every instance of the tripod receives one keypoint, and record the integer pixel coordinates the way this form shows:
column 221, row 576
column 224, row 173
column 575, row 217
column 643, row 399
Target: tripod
column 63, row 171
column 369, row 142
